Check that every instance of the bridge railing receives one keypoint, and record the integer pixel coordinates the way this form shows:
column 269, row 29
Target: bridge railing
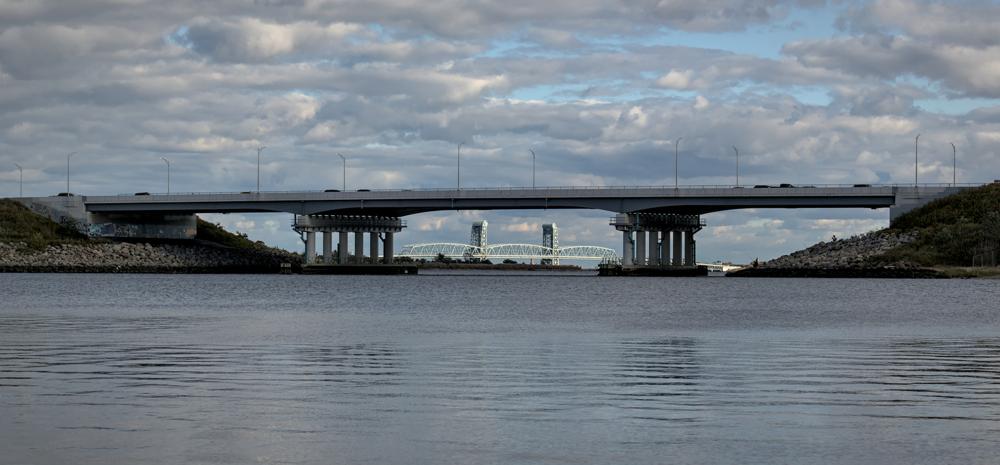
column 776, row 187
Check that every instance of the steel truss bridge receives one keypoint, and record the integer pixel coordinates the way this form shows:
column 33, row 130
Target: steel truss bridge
column 508, row 252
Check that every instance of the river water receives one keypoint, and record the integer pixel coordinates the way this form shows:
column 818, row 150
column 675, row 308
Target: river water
column 497, row 369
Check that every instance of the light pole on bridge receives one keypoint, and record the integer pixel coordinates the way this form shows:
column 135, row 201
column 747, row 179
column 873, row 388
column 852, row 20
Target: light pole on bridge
column 532, row 168
column 458, row 177
column 20, row 180
column 68, row 155
column 168, row 173
column 260, row 148
column 343, row 159
column 954, row 164
column 676, row 144
column 737, row 165
column 916, row 152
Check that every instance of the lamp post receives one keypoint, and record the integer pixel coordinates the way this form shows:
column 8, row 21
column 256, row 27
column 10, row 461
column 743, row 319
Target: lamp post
column 676, row 143
column 954, row 164
column 68, row 155
column 458, row 177
column 260, row 148
column 20, row 180
column 532, row 168
column 344, row 182
column 916, row 152
column 168, row 173
column 737, row 165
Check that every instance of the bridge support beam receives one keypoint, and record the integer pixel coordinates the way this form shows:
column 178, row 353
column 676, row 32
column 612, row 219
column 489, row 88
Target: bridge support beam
column 373, row 247
column 359, row 247
column 310, row 255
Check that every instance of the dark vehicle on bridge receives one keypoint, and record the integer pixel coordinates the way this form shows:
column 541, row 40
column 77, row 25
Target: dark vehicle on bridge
column 141, row 193
column 332, row 190
column 862, row 185
column 761, row 186
column 364, row 190
column 64, row 194
column 785, row 185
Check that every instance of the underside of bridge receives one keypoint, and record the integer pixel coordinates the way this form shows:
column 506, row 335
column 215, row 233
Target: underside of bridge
column 379, row 229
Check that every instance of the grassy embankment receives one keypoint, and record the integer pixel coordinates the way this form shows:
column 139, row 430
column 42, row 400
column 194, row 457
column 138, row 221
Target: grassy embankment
column 19, row 224
column 951, row 233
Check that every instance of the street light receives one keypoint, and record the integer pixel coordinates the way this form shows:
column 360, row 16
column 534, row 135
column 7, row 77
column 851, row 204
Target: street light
column 916, row 152
column 68, row 155
column 737, row 165
column 20, row 180
column 260, row 148
column 345, row 171
column 954, row 164
column 532, row 168
column 168, row 173
column 676, row 143
column 459, row 168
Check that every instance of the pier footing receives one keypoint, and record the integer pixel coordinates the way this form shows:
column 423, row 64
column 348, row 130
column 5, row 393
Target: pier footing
column 359, row 269
column 674, row 271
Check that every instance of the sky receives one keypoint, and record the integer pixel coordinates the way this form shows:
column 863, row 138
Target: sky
column 809, row 91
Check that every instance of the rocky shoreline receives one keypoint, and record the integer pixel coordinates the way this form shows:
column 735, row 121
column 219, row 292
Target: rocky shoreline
column 146, row 257
column 854, row 257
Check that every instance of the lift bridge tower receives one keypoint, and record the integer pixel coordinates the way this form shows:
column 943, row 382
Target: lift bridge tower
column 550, row 239
column 477, row 238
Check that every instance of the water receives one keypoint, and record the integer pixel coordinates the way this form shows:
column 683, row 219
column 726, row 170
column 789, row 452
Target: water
column 497, row 369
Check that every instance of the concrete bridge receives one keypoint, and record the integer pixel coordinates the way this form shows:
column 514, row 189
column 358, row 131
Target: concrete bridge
column 657, row 223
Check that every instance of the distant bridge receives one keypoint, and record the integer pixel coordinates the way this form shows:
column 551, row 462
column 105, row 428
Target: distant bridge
column 508, row 252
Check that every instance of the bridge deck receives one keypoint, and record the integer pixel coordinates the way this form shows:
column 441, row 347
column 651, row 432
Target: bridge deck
column 687, row 200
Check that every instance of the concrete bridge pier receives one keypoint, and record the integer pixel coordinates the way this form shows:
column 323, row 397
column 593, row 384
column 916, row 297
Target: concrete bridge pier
column 310, row 247
column 627, row 248
column 373, row 239
column 359, row 247
column 640, row 248
column 387, row 259
column 654, row 248
column 343, row 225
column 656, row 236
column 342, row 248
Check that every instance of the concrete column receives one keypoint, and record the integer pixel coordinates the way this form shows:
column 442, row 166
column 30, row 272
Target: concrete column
column 689, row 258
column 388, row 248
column 359, row 247
column 626, row 248
column 654, row 248
column 676, row 258
column 640, row 247
column 310, row 247
column 327, row 247
column 342, row 245
column 665, row 248
column 373, row 246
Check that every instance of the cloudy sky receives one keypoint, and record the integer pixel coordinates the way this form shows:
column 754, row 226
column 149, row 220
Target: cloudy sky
column 811, row 92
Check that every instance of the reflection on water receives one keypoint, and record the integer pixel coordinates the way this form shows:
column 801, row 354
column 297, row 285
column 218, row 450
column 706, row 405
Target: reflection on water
column 257, row 384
